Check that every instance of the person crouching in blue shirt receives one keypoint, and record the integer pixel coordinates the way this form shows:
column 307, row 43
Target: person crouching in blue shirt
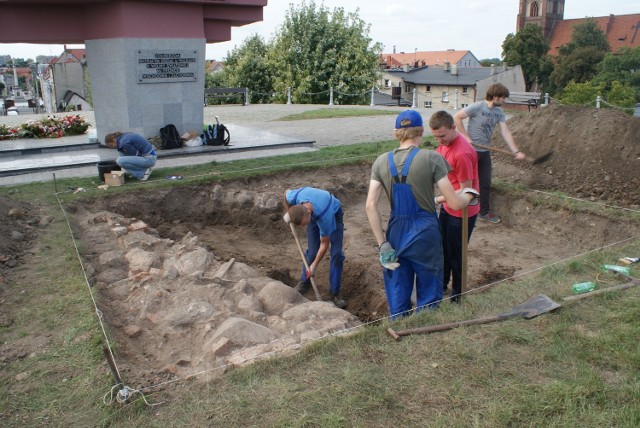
column 136, row 155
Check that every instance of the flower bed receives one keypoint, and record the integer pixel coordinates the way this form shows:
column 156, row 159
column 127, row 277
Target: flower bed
column 51, row 127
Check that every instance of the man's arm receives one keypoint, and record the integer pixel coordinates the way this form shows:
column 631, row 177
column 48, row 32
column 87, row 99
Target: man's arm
column 324, row 246
column 508, row 138
column 454, row 200
column 375, row 190
column 457, row 119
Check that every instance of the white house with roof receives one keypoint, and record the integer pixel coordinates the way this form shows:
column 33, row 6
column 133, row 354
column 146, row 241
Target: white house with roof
column 448, row 87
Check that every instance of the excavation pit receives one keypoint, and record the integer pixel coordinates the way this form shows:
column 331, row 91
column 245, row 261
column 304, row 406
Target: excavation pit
column 171, row 318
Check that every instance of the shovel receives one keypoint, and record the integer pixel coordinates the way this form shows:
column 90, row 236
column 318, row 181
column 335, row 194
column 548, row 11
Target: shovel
column 304, row 260
column 533, row 307
column 534, row 161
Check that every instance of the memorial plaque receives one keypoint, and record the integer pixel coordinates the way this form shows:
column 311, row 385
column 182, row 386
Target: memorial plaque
column 166, row 66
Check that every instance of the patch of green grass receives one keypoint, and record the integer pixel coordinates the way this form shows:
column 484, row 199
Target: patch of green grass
column 331, row 113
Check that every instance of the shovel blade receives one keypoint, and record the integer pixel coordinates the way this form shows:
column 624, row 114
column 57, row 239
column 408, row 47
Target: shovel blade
column 542, row 158
column 535, row 306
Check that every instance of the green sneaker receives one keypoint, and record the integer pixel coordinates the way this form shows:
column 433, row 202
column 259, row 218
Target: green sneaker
column 490, row 217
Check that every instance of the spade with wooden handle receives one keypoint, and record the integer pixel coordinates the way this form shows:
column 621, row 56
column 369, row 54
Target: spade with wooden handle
column 304, row 260
column 533, row 307
column 533, row 160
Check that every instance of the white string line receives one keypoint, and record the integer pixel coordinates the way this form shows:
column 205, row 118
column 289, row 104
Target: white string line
column 584, row 201
column 86, row 280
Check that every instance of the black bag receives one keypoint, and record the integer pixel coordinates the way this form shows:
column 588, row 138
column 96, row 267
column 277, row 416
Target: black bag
column 216, row 135
column 170, row 137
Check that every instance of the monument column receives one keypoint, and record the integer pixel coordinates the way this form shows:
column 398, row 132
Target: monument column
column 141, row 85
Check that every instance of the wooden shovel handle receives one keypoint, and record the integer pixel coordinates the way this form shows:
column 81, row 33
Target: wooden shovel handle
column 493, row 149
column 304, row 260
column 442, row 327
column 503, row 151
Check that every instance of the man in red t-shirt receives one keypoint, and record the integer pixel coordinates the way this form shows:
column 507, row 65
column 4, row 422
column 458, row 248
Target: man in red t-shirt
column 462, row 157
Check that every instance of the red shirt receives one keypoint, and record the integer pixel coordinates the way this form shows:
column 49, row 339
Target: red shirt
column 464, row 163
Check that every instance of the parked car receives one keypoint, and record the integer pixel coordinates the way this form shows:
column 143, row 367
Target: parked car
column 12, row 111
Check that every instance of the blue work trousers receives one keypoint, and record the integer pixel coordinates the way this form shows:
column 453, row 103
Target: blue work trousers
column 336, row 261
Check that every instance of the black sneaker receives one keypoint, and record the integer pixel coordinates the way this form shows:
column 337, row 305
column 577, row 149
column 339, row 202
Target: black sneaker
column 302, row 287
column 340, row 303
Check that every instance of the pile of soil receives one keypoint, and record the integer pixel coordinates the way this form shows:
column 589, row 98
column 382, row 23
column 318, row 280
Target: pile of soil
column 596, row 153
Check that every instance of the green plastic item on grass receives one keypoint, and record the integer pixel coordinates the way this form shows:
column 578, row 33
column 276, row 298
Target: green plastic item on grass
column 620, row 269
column 583, row 287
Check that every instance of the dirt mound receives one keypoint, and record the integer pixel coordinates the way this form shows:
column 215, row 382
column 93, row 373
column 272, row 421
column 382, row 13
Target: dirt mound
column 596, row 153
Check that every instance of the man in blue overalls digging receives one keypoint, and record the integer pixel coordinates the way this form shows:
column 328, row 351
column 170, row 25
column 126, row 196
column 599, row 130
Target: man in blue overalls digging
column 321, row 213
column 411, row 250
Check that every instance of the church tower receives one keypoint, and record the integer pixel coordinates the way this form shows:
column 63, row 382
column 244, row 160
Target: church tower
column 544, row 13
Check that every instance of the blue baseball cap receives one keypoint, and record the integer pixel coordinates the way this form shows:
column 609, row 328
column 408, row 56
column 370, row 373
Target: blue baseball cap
column 408, row 119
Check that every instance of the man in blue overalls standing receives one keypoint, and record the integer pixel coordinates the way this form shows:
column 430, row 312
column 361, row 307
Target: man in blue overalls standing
column 321, row 213
column 411, row 250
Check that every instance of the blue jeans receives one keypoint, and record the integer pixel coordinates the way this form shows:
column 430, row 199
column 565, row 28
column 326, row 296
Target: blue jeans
column 336, row 262
column 136, row 165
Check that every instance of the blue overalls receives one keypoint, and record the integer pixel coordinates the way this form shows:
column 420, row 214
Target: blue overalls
column 415, row 235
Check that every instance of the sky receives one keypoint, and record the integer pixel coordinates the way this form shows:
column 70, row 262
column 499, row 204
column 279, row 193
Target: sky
column 424, row 25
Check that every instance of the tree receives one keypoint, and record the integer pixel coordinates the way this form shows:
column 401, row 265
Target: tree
column 248, row 67
column 621, row 95
column 315, row 50
column 578, row 60
column 586, row 34
column 488, row 61
column 623, row 67
column 578, row 66
column 528, row 48
column 581, row 93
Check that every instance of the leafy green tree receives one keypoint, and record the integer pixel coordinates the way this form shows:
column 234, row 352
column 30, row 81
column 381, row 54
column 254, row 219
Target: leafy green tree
column 579, row 66
column 623, row 67
column 586, row 34
column 581, row 93
column 315, row 50
column 621, row 95
column 247, row 67
column 578, row 60
column 488, row 61
column 528, row 48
